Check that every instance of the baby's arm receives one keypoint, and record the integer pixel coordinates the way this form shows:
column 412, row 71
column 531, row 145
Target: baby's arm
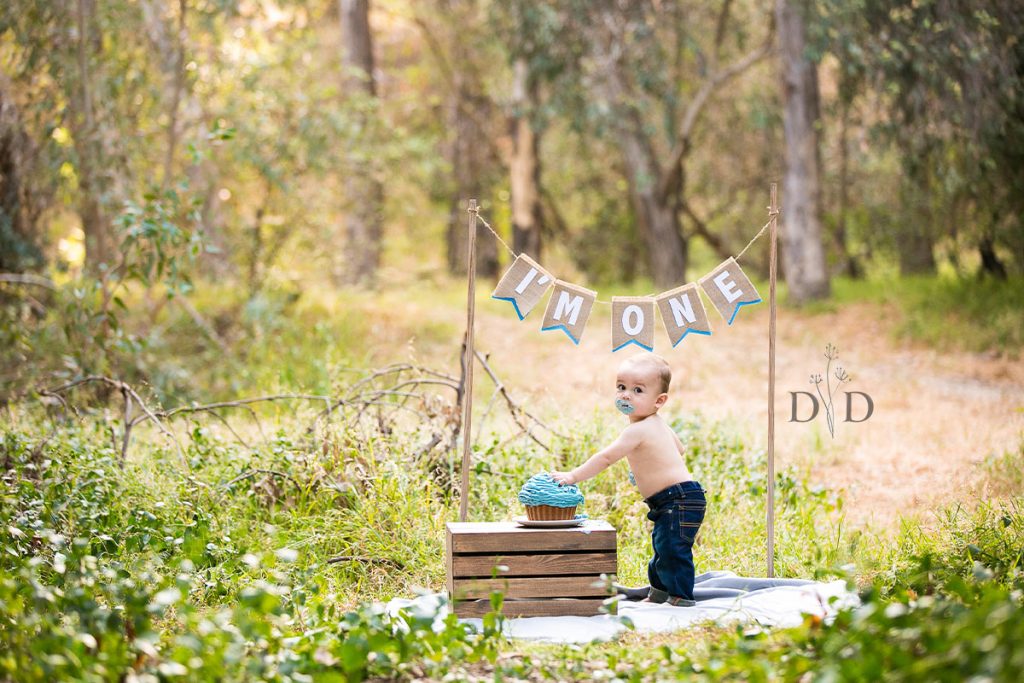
column 617, row 450
column 679, row 444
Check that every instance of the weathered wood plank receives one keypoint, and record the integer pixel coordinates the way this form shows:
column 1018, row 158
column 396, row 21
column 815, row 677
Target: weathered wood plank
column 586, row 585
column 532, row 565
column 480, row 537
column 532, row 608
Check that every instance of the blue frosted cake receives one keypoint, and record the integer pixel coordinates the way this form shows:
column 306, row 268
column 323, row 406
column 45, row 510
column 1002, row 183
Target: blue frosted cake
column 545, row 499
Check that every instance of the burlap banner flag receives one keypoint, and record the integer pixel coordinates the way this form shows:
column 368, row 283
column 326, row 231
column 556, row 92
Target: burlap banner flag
column 729, row 289
column 568, row 309
column 683, row 312
column 632, row 322
column 523, row 284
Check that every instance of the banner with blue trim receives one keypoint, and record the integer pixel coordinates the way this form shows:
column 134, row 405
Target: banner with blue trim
column 568, row 310
column 729, row 289
column 632, row 322
column 683, row 313
column 523, row 285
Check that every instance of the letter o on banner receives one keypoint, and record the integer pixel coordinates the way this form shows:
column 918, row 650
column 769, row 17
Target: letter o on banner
column 632, row 322
column 632, row 319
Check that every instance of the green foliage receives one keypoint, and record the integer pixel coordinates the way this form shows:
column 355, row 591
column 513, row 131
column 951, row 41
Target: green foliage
column 904, row 639
column 948, row 75
column 77, row 603
column 982, row 543
column 952, row 611
column 222, row 573
column 966, row 628
column 946, row 313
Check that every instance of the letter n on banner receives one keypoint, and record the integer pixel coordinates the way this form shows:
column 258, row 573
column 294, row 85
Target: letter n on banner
column 632, row 322
column 729, row 289
column 523, row 284
column 683, row 312
column 568, row 310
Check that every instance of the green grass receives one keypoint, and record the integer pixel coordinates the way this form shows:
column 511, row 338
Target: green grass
column 161, row 569
column 214, row 538
column 192, row 573
column 944, row 312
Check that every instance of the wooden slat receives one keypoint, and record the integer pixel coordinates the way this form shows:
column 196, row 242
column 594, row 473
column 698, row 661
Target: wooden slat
column 534, row 587
column 481, row 537
column 532, row 608
column 531, row 565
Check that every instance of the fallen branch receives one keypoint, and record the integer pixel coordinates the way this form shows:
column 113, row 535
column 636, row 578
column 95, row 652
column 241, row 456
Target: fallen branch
column 253, row 473
column 364, row 558
column 128, row 394
column 242, row 402
column 515, row 409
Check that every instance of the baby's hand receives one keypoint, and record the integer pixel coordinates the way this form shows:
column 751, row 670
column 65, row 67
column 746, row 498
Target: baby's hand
column 562, row 478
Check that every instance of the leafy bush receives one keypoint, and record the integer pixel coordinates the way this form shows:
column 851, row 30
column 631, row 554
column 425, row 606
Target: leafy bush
column 99, row 582
column 988, row 540
column 968, row 628
column 221, row 572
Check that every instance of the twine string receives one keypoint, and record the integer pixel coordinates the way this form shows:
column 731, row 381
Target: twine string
column 771, row 216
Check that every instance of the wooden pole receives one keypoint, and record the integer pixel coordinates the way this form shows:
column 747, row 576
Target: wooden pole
column 773, row 220
column 467, row 363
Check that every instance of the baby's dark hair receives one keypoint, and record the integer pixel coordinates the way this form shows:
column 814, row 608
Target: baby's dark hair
column 658, row 364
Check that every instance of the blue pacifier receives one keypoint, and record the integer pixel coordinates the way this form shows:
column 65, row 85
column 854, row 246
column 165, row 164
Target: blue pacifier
column 624, row 406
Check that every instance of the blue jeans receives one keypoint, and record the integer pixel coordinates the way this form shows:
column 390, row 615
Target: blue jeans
column 677, row 513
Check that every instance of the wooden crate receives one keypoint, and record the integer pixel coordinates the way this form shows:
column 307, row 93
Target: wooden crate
column 550, row 572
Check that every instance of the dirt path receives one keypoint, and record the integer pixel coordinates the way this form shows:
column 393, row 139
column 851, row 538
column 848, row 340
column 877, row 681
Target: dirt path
column 936, row 416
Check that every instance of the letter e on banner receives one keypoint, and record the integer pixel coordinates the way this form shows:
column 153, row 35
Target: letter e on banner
column 568, row 309
column 632, row 322
column 523, row 285
column 683, row 312
column 729, row 289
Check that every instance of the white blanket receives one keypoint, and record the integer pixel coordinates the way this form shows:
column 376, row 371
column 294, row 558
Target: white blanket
column 722, row 597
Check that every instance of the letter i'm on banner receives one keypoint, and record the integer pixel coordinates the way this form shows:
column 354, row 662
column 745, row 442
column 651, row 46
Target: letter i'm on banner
column 523, row 285
column 729, row 289
column 632, row 322
column 568, row 309
column 683, row 312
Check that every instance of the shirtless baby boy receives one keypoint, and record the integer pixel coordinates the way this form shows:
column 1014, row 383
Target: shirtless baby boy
column 654, row 453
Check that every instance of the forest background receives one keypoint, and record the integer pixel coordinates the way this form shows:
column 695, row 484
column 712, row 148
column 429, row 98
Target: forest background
column 214, row 209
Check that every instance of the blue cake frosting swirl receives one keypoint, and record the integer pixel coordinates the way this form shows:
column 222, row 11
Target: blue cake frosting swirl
column 541, row 489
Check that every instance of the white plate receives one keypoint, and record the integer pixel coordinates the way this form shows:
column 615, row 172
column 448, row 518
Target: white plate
column 523, row 520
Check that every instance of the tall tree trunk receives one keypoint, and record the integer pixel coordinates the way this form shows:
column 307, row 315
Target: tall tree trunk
column 19, row 238
column 524, row 173
column 466, row 151
column 100, row 247
column 915, row 244
column 364, row 193
column 467, row 184
column 657, row 216
column 658, row 190
column 915, row 252
column 990, row 261
column 848, row 264
column 802, row 250
column 657, row 210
